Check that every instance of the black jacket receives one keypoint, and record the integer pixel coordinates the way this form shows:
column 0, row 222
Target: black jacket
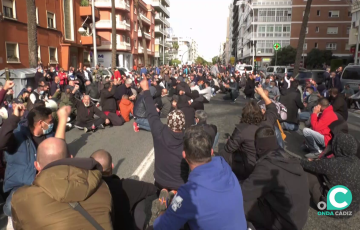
column 249, row 90
column 340, row 106
column 335, row 84
column 209, row 129
column 37, row 77
column 239, row 150
column 188, row 111
column 292, row 101
column 92, row 91
column 126, row 193
column 122, row 90
column 278, row 185
column 171, row 170
column 108, row 102
column 53, row 88
column 85, row 114
column 140, row 107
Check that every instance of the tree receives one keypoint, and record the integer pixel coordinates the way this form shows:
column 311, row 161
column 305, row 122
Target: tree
column 316, row 58
column 284, row 56
column 32, row 33
column 175, row 62
column 302, row 35
column 215, row 60
column 136, row 4
column 176, row 46
column 113, row 35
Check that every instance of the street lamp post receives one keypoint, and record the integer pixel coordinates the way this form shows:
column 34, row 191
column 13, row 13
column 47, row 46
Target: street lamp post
column 95, row 56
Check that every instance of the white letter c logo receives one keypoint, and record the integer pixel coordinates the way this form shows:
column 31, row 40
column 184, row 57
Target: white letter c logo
column 332, row 198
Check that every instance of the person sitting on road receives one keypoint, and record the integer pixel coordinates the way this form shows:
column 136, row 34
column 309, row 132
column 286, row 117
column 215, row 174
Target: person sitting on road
column 233, row 89
column 128, row 196
column 211, row 199
column 126, row 107
column 354, row 99
column 61, row 183
column 124, row 89
column 205, row 91
column 189, row 112
column 341, row 169
column 240, row 151
column 166, row 104
column 91, row 89
column 171, row 170
column 317, row 138
column 291, row 99
column 276, row 193
column 310, row 101
column 201, row 120
column 249, row 89
column 85, row 113
column 37, row 94
column 108, row 105
column 140, row 112
column 338, row 102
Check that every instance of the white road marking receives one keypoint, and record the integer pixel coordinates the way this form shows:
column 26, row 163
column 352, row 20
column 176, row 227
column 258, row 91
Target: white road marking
column 145, row 165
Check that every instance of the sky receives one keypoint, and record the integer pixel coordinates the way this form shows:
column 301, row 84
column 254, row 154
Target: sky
column 207, row 20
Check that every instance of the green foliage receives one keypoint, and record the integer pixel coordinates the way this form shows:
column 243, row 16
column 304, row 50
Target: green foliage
column 315, row 58
column 175, row 62
column 176, row 46
column 232, row 60
column 84, row 3
column 215, row 60
column 336, row 63
column 201, row 61
column 285, row 56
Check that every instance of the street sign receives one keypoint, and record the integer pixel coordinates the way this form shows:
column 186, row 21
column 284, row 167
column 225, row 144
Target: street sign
column 277, row 46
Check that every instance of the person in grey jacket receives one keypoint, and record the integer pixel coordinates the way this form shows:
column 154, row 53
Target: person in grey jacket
column 310, row 102
column 166, row 104
column 214, row 70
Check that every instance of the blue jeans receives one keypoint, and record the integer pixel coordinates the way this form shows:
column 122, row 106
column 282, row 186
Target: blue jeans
column 143, row 123
column 289, row 126
column 314, row 140
column 7, row 205
column 279, row 137
column 304, row 116
column 216, row 140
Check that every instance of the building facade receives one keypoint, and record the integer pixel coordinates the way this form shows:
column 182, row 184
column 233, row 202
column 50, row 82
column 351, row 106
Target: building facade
column 234, row 15
column 354, row 31
column 187, row 52
column 57, row 33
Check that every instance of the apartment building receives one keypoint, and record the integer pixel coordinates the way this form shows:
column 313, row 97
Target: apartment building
column 234, row 28
column 354, row 31
column 128, row 34
column 187, row 52
column 328, row 27
column 57, row 33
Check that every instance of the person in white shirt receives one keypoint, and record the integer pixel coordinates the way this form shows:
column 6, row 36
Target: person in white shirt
column 206, row 91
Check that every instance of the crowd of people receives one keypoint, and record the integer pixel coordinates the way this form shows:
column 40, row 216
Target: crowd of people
column 251, row 183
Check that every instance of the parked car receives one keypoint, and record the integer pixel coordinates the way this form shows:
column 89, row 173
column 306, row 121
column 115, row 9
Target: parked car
column 244, row 69
column 104, row 72
column 307, row 75
column 271, row 70
column 120, row 70
column 351, row 76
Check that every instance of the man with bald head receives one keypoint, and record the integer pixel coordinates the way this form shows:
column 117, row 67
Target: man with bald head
column 50, row 150
column 85, row 113
column 128, row 195
column 166, row 103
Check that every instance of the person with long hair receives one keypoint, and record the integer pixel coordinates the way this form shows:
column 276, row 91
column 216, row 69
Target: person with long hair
column 239, row 150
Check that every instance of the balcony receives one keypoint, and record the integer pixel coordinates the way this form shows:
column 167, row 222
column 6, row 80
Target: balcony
column 157, row 4
column 272, row 19
column 158, row 29
column 107, row 24
column 119, row 45
column 85, row 11
column 162, row 19
column 157, row 54
column 141, row 50
column 145, row 19
column 147, row 36
column 271, row 3
column 119, row 4
column 88, row 40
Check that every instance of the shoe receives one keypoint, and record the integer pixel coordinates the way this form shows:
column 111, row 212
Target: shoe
column 136, row 127
column 97, row 104
column 313, row 155
column 163, row 198
column 305, row 148
column 154, row 211
column 101, row 127
column 234, row 101
column 172, row 193
column 9, row 225
column 68, row 119
column 86, row 130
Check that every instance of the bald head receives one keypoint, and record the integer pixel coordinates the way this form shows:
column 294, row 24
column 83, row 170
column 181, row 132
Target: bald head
column 164, row 92
column 50, row 150
column 105, row 159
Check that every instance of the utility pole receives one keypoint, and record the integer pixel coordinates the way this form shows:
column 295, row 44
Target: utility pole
column 95, row 56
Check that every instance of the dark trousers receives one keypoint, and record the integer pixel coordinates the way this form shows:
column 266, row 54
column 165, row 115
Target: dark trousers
column 315, row 188
column 97, row 122
column 115, row 119
column 261, row 216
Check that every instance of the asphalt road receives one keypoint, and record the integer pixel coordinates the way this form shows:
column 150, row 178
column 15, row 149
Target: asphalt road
column 129, row 149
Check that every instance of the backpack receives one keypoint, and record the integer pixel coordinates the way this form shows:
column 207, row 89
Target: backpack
column 282, row 110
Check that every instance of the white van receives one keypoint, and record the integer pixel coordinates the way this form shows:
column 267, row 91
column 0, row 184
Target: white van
column 245, row 69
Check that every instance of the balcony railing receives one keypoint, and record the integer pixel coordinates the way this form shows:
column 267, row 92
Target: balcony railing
column 158, row 4
column 167, row 2
column 270, row 3
column 147, row 36
column 119, row 45
column 141, row 50
column 107, row 24
column 272, row 19
column 163, row 19
column 145, row 19
column 159, row 29
column 119, row 4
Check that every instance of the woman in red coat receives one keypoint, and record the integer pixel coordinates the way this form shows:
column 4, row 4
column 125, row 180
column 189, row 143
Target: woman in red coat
column 63, row 79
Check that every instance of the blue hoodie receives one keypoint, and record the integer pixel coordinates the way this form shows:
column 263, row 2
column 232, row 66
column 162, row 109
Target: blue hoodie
column 211, row 200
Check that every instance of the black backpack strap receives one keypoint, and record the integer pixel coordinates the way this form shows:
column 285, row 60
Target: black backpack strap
column 76, row 206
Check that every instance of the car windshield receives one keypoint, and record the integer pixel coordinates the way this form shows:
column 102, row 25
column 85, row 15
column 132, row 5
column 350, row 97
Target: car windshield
column 280, row 70
column 303, row 75
column 248, row 68
column 270, row 69
column 123, row 70
column 351, row 73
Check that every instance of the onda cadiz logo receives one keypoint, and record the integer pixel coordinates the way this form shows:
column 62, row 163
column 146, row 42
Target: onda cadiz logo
column 338, row 198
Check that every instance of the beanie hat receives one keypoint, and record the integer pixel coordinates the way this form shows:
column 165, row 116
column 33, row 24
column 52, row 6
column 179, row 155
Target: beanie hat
column 176, row 120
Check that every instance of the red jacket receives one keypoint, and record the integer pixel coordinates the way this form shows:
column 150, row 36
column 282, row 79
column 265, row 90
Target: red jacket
column 63, row 78
column 117, row 75
column 321, row 124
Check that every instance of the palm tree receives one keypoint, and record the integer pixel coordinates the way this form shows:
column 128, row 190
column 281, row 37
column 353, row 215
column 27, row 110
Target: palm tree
column 300, row 48
column 113, row 34
column 32, row 33
column 136, row 4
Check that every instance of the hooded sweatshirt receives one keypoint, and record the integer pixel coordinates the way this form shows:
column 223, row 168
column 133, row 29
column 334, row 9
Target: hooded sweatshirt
column 342, row 169
column 211, row 200
column 278, row 185
column 45, row 204
column 126, row 107
column 322, row 122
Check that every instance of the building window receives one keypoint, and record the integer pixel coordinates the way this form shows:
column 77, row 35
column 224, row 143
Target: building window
column 305, row 46
column 332, row 30
column 318, row 13
column 347, row 46
column 53, row 55
column 135, row 44
column 128, row 40
column 12, row 52
column 348, row 30
column 334, row 14
column 37, row 16
column 317, row 29
column 68, row 20
column 135, row 26
column 51, row 20
column 39, row 53
column 349, row 14
column 86, row 58
column 331, row 46
column 9, row 9
column 307, row 30
column 316, row 45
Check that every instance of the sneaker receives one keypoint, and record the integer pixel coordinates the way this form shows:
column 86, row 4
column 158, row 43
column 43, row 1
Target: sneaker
column 313, row 155
column 154, row 211
column 86, row 130
column 172, row 193
column 163, row 198
column 136, row 127
column 101, row 127
column 9, row 225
